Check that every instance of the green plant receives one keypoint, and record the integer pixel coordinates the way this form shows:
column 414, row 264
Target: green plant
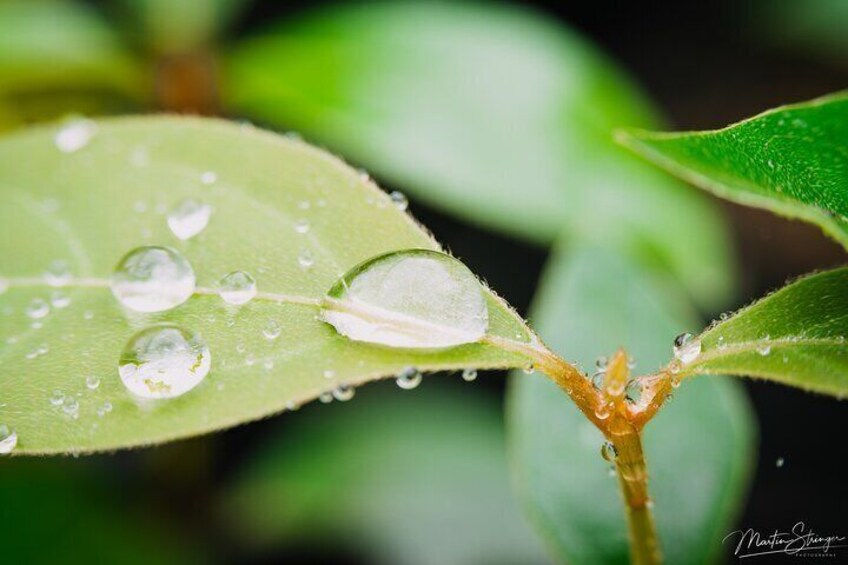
column 298, row 220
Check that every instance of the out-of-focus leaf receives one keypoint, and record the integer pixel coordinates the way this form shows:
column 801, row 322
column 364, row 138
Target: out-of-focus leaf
column 407, row 478
column 796, row 336
column 56, row 512
column 791, row 160
column 273, row 200
column 182, row 26
column 698, row 447
column 816, row 27
column 55, row 46
column 490, row 112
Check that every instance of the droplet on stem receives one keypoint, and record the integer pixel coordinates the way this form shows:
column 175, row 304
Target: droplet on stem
column 686, row 348
column 237, row 288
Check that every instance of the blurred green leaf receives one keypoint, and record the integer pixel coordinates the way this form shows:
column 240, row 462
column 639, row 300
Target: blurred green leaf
column 816, row 27
column 488, row 111
column 792, row 161
column 62, row 46
column 698, row 448
column 795, row 336
column 92, row 206
column 58, row 512
column 407, row 478
column 182, row 26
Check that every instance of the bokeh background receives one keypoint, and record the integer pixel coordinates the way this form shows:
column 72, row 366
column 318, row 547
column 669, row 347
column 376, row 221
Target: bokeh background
column 374, row 480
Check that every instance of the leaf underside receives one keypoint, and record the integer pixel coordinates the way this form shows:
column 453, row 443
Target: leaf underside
column 92, row 206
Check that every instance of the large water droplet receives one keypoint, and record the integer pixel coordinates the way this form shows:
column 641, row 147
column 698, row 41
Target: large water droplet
column 409, row 378
column 75, row 135
column 687, row 348
column 164, row 361
column 153, row 279
column 8, row 440
column 189, row 218
column 416, row 299
column 237, row 287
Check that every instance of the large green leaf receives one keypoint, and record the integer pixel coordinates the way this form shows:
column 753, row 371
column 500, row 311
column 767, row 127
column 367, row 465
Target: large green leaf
column 92, row 206
column 403, row 478
column 61, row 46
column 698, row 448
column 490, row 112
column 792, row 161
column 796, row 336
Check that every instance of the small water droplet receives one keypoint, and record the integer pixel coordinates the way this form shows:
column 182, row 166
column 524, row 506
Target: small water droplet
column 189, row 218
column 237, row 288
column 764, row 349
column 57, row 398
column 598, row 380
column 87, row 315
column 601, row 364
column 104, row 409
column 413, row 299
column 329, row 374
column 92, row 382
column 409, row 378
column 75, row 135
column 326, row 397
column 305, row 259
column 687, row 348
column 609, row 452
column 633, row 391
column 780, row 462
column 8, row 440
column 272, row 329
column 669, row 397
column 469, row 375
column 208, row 177
column 301, row 226
column 4, row 285
column 529, row 369
column 343, row 392
column 268, row 364
column 59, row 300
column 71, row 407
column 153, row 279
column 304, row 204
column 399, row 200
column 37, row 308
column 140, row 206
column 58, row 273
column 603, row 411
column 164, row 361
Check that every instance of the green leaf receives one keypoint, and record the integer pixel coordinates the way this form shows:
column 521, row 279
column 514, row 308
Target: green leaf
column 792, row 161
column 796, row 336
column 698, row 448
column 358, row 473
column 51, row 46
column 490, row 112
column 92, row 206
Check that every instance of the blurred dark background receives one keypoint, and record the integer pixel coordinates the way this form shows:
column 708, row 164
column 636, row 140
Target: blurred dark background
column 705, row 64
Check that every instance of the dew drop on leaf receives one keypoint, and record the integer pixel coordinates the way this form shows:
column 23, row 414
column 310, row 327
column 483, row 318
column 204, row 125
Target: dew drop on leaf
column 305, row 259
column 92, row 382
column 272, row 329
column 164, row 361
column 8, row 440
column 686, row 348
column 409, row 378
column 469, row 375
column 301, row 226
column 4, row 285
column 57, row 398
column 75, row 135
column 58, row 273
column 399, row 200
column 343, row 393
column 153, row 279
column 59, row 300
column 414, row 299
column 104, row 409
column 37, row 308
column 189, row 218
column 208, row 177
column 237, row 288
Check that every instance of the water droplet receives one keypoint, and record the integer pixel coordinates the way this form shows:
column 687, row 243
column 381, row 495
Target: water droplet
column 304, row 204
column 4, row 285
column 329, row 374
column 92, row 382
column 598, row 380
column 399, row 200
column 189, row 218
column 140, row 206
column 268, row 364
column 57, row 398
column 59, row 300
column 237, row 287
column 58, row 273
column 764, row 349
column 415, row 299
column 603, row 411
column 88, row 315
column 609, row 452
column 326, row 397
column 343, row 393
column 301, row 226
column 529, row 369
column 164, row 361
column 208, row 177
column 305, row 259
column 409, row 378
column 104, row 409
column 8, row 440
column 75, row 135
column 633, row 391
column 687, row 348
column 71, row 407
column 779, row 463
column 153, row 279
column 37, row 308
column 469, row 375
column 601, row 363
column 272, row 329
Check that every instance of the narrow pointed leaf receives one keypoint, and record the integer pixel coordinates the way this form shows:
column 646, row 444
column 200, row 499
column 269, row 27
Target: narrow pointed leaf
column 272, row 200
column 490, row 112
column 792, row 161
column 796, row 336
column 698, row 448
